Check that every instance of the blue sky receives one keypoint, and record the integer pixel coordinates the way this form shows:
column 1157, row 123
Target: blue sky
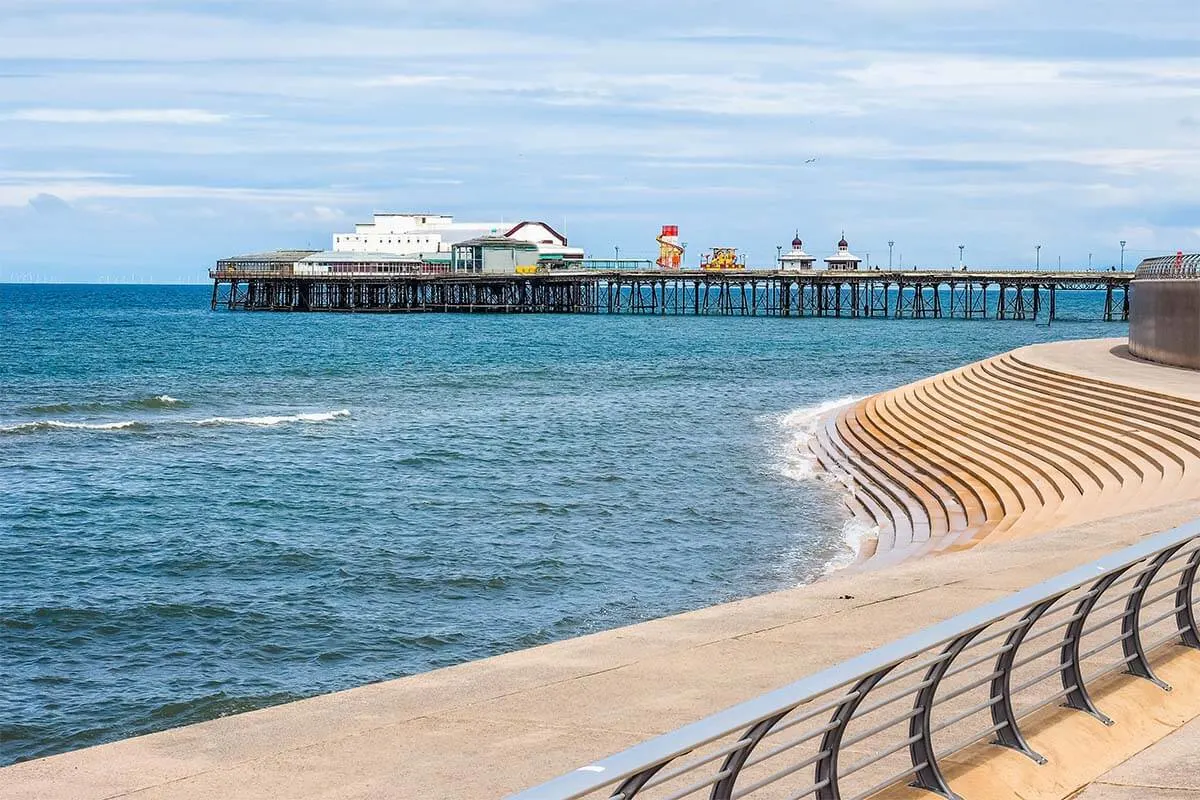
column 147, row 139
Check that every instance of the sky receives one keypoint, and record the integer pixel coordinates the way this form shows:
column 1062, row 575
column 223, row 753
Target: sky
column 143, row 139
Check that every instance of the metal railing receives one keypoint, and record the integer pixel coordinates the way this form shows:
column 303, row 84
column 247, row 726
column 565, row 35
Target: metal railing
column 894, row 713
column 1180, row 265
column 616, row 265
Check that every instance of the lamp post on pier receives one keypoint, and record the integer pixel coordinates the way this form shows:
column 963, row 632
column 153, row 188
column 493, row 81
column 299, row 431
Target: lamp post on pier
column 961, row 247
column 778, row 256
column 617, row 260
column 891, row 244
column 1089, row 262
column 1122, row 255
column 1037, row 254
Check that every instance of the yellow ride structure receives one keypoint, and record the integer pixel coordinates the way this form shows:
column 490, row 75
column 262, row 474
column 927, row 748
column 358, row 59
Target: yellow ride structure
column 722, row 259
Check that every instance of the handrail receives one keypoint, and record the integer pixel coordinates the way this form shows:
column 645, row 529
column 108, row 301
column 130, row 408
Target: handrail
column 1180, row 265
column 712, row 757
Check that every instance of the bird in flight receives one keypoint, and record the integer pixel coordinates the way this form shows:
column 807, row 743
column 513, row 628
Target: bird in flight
column 811, row 160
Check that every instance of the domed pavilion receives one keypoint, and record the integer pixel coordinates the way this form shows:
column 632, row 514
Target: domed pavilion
column 843, row 259
column 796, row 258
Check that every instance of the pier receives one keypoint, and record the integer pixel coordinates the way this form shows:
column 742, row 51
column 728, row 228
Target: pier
column 923, row 294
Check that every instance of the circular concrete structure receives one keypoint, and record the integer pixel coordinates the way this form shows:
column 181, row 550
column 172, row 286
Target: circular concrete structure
column 1164, row 311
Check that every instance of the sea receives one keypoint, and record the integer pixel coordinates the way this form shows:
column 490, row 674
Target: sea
column 204, row 513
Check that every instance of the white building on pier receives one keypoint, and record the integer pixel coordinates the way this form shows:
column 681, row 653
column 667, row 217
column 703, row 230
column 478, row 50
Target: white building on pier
column 433, row 234
column 843, row 259
column 796, row 258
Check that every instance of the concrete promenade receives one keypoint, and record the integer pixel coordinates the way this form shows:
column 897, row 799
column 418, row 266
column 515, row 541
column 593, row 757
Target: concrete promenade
column 490, row 727
column 1168, row 770
column 1110, row 360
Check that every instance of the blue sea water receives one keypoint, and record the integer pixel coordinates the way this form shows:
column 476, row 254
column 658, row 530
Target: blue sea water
column 209, row 512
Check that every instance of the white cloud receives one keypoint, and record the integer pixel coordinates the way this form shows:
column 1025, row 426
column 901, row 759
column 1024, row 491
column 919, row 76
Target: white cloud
column 707, row 92
column 87, row 116
column 74, row 191
column 916, row 7
column 407, row 80
column 318, row 214
column 434, row 181
column 195, row 37
column 21, row 176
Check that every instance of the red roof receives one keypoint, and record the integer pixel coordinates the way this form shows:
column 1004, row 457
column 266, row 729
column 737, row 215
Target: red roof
column 520, row 225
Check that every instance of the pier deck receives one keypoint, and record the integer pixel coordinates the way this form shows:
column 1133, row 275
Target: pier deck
column 897, row 294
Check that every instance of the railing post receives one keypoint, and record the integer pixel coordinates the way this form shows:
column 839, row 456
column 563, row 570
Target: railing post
column 1185, row 617
column 1001, row 690
column 723, row 789
column 1070, row 670
column 634, row 783
column 1131, row 630
column 827, row 768
column 929, row 776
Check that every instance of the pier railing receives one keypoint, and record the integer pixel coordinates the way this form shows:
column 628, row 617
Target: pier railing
column 894, row 714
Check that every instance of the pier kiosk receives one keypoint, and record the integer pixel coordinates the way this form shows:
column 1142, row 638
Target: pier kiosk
column 796, row 258
column 843, row 260
column 494, row 255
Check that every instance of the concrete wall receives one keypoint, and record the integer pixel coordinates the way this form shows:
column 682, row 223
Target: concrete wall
column 395, row 243
column 1164, row 320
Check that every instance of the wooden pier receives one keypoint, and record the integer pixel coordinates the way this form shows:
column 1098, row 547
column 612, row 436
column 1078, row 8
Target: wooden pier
column 924, row 294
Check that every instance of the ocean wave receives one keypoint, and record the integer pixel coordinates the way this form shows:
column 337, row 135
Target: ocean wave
column 35, row 426
column 797, row 460
column 54, row 424
column 855, row 533
column 161, row 401
column 154, row 402
column 324, row 416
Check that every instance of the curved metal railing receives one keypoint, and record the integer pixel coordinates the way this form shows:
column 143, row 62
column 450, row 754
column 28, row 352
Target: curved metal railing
column 1180, row 265
column 892, row 714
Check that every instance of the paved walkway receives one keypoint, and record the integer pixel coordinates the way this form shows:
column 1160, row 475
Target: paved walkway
column 1168, row 770
column 1109, row 359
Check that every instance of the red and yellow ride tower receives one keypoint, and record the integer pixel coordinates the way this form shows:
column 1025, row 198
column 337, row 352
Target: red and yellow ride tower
column 670, row 251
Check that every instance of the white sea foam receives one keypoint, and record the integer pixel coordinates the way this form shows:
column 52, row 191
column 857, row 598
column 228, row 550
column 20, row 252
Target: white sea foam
column 324, row 416
column 264, row 421
column 855, row 533
column 167, row 400
column 797, row 460
column 54, row 424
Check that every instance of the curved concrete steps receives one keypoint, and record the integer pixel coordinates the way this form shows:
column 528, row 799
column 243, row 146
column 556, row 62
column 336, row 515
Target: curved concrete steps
column 1166, row 452
column 1004, row 448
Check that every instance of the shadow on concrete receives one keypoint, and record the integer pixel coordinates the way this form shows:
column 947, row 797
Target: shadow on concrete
column 1122, row 351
